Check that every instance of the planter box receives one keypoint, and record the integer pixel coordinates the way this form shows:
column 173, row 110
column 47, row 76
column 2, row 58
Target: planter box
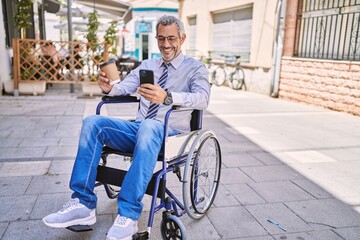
column 34, row 88
column 9, row 86
column 91, row 89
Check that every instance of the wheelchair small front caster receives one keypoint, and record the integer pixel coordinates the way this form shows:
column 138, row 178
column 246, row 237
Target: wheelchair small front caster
column 141, row 236
column 171, row 227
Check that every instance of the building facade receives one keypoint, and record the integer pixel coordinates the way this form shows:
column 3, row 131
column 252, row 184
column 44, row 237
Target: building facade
column 306, row 51
column 243, row 28
column 321, row 59
column 139, row 34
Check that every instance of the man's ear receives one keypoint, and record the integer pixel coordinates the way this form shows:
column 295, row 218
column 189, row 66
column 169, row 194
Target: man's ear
column 183, row 37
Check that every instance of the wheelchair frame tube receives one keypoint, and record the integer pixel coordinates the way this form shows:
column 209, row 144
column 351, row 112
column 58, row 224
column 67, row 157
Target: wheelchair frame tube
column 162, row 174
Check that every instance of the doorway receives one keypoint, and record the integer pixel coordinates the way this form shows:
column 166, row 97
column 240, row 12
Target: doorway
column 144, row 46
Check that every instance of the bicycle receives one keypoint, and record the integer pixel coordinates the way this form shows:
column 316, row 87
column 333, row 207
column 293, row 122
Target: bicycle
column 231, row 71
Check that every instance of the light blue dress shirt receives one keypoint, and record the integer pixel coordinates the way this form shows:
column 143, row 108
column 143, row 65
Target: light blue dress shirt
column 187, row 81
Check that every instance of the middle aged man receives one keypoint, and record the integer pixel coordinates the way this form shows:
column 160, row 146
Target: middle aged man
column 179, row 80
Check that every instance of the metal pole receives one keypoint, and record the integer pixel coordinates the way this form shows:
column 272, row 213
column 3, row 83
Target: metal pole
column 69, row 17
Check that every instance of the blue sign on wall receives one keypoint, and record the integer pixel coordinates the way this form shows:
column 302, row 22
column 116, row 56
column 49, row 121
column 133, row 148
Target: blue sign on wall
column 143, row 27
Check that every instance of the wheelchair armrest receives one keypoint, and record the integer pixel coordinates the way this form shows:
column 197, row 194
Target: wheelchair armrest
column 179, row 108
column 115, row 99
column 120, row 99
column 195, row 124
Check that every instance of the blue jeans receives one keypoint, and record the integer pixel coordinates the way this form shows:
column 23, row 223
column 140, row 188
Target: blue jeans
column 144, row 139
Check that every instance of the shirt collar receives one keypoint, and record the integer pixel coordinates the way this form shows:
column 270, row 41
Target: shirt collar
column 175, row 62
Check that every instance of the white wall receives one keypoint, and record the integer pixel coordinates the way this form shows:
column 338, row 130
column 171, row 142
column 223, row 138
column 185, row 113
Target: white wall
column 5, row 64
column 51, row 32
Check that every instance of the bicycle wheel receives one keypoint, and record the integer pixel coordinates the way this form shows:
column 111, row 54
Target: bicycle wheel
column 201, row 174
column 237, row 79
column 219, row 76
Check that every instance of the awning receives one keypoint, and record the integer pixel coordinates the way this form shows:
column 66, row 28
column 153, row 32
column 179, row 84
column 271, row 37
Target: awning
column 118, row 8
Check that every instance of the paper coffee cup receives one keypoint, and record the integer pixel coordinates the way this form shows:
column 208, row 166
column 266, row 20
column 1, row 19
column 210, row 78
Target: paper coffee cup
column 111, row 71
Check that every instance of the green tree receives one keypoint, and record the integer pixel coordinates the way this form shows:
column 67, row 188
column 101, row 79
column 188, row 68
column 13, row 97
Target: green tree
column 22, row 17
column 110, row 35
column 93, row 26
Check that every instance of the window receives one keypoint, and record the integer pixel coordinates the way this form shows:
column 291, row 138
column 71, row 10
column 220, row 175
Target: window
column 329, row 29
column 231, row 31
column 191, row 34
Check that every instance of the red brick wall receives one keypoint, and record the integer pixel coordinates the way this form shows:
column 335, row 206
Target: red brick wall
column 330, row 84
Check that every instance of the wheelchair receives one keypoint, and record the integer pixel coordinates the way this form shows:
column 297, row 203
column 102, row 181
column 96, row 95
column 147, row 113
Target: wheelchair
column 196, row 163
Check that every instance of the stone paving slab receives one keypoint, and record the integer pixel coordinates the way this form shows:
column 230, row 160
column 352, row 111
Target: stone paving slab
column 225, row 198
column 61, row 167
column 39, row 142
column 14, row 185
column 35, row 229
column 11, row 169
column 245, row 194
column 16, row 208
column 326, row 212
column 280, row 214
column 22, row 153
column 312, row 188
column 267, row 158
column 271, row 173
column 63, row 152
column 282, row 191
column 49, row 184
column 240, row 160
column 314, row 235
column 351, row 233
column 3, row 227
column 234, row 175
column 235, row 222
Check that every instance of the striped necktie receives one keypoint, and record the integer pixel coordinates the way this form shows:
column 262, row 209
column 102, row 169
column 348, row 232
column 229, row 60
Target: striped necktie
column 154, row 107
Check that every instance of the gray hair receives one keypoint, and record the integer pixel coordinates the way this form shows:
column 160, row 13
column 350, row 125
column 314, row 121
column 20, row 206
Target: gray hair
column 168, row 20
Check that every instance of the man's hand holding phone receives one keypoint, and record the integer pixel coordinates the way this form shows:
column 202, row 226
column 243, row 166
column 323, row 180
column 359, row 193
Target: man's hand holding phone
column 150, row 91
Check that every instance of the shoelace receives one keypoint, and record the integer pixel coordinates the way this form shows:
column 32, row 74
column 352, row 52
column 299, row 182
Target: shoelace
column 69, row 205
column 121, row 220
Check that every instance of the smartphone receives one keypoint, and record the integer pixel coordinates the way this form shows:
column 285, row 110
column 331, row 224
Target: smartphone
column 146, row 76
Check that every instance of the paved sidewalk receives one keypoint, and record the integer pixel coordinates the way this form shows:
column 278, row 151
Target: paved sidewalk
column 293, row 164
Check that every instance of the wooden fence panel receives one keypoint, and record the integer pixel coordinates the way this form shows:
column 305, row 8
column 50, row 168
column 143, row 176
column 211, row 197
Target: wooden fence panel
column 56, row 61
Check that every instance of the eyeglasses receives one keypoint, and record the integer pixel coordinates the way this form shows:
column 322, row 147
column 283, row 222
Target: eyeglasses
column 170, row 39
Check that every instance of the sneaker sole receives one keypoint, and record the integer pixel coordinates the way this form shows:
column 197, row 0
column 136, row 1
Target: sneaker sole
column 83, row 221
column 126, row 238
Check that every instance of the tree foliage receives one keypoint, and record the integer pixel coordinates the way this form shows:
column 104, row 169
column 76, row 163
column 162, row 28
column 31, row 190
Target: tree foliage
column 22, row 17
column 92, row 29
column 110, row 34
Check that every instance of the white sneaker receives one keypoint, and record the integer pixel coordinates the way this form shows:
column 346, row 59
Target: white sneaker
column 122, row 229
column 72, row 213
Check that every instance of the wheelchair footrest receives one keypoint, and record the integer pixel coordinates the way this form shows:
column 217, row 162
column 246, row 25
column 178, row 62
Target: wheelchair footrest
column 80, row 228
column 141, row 236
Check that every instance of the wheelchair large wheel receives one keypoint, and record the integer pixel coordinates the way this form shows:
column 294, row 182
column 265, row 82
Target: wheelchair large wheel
column 172, row 228
column 201, row 174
